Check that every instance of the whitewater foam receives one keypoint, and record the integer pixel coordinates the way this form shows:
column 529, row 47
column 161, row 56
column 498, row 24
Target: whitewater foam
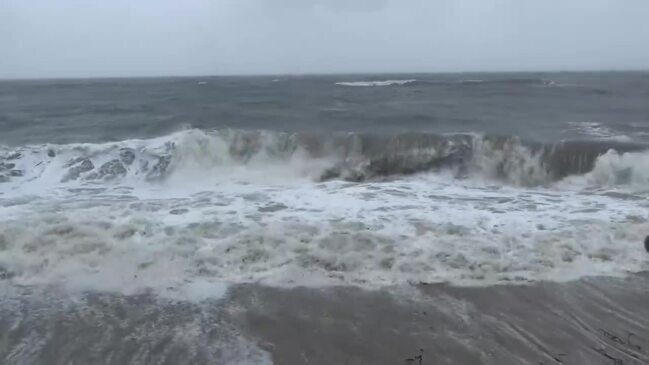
column 184, row 215
column 598, row 130
column 421, row 230
column 376, row 83
column 612, row 169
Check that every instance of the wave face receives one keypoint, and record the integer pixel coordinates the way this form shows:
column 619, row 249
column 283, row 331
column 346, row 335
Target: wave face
column 322, row 157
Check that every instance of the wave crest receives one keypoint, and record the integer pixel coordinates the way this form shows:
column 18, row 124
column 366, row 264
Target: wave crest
column 346, row 156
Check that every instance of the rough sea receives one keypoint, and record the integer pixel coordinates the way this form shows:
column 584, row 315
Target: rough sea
column 135, row 212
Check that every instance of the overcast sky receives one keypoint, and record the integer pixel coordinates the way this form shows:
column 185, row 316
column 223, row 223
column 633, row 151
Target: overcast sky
column 85, row 38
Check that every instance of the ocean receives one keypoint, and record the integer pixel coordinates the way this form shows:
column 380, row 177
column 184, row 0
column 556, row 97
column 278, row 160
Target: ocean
column 278, row 219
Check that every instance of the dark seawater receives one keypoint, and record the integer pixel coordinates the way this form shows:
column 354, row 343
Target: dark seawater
column 215, row 219
column 543, row 107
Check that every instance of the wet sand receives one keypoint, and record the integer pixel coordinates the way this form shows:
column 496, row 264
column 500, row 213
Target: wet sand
column 591, row 321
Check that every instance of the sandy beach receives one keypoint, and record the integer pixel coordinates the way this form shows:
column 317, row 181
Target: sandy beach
column 591, row 321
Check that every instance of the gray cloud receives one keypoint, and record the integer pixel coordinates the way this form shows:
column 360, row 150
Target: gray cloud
column 333, row 5
column 46, row 38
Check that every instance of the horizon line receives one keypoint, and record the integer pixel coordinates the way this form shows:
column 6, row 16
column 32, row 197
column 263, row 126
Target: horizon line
column 306, row 74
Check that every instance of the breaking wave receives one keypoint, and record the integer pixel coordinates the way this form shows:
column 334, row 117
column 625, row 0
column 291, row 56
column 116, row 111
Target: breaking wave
column 511, row 81
column 376, row 83
column 186, row 214
column 466, row 82
column 321, row 157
